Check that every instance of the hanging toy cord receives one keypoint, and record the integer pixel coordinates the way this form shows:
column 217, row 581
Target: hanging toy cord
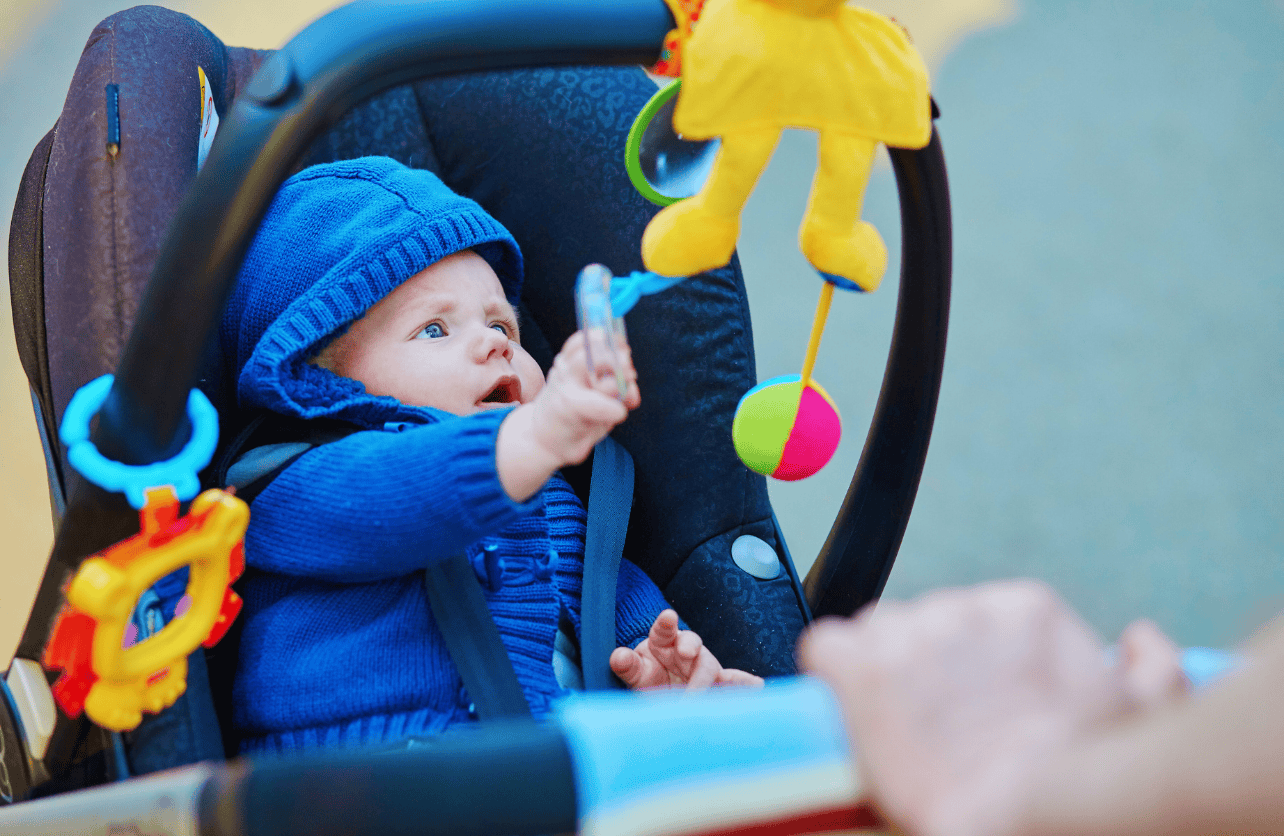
column 817, row 329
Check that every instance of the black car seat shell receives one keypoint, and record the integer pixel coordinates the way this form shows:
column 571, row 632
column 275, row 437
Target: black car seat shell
column 541, row 150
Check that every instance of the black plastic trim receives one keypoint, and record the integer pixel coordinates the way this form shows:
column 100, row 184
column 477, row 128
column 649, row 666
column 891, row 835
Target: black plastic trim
column 27, row 299
column 509, row 776
column 857, row 557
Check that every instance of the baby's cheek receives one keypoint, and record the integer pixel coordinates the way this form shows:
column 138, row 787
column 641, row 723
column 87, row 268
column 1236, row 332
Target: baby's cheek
column 528, row 371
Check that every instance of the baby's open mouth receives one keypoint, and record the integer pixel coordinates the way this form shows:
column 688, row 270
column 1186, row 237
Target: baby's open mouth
column 508, row 390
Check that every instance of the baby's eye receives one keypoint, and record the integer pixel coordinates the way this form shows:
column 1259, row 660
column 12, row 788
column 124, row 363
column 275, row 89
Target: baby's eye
column 503, row 329
column 431, row 331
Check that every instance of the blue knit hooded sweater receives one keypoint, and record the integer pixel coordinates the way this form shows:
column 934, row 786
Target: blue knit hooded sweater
column 338, row 644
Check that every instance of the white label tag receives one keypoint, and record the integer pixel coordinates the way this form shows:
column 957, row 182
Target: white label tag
column 209, row 120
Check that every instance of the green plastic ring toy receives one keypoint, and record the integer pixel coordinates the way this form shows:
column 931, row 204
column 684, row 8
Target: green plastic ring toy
column 662, row 166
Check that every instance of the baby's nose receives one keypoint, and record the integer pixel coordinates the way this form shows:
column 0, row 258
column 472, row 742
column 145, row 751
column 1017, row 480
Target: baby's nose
column 494, row 341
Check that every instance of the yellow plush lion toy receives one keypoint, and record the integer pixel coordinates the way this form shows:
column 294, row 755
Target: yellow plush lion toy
column 751, row 68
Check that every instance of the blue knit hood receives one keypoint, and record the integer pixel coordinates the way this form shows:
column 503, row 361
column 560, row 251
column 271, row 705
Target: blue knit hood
column 337, row 238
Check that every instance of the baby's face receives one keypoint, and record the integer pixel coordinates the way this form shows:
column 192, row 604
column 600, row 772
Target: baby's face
column 446, row 338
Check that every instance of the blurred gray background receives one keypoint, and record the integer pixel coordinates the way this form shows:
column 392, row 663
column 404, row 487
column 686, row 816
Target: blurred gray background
column 1112, row 416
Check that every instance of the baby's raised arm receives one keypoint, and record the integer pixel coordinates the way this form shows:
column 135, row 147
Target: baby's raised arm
column 572, row 412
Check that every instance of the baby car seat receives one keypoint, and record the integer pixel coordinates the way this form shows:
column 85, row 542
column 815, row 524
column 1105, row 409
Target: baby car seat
column 540, row 149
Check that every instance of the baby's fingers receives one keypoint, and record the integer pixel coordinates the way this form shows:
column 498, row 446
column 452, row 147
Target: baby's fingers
column 633, row 669
column 732, row 676
column 594, row 362
column 633, row 397
column 597, row 408
column 603, row 379
column 692, row 664
column 688, row 646
column 664, row 631
column 703, row 670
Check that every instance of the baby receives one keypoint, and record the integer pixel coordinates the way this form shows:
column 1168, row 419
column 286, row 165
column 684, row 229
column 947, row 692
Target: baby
column 375, row 295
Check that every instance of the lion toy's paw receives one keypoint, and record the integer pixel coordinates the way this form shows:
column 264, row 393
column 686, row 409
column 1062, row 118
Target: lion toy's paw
column 685, row 239
column 858, row 255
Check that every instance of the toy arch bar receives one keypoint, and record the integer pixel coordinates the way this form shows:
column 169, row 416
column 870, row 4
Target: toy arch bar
column 477, row 784
column 360, row 49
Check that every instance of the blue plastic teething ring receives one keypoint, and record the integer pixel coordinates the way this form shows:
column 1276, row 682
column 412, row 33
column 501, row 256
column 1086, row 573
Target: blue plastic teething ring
column 135, row 480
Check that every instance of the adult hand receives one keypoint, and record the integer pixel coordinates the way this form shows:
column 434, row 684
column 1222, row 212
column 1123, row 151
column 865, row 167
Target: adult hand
column 673, row 658
column 955, row 700
column 1151, row 666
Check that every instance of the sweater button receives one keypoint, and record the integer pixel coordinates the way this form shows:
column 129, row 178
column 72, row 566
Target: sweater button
column 545, row 564
column 489, row 567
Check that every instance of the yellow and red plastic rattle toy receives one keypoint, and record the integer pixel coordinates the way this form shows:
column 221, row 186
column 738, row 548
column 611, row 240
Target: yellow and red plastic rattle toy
column 104, row 673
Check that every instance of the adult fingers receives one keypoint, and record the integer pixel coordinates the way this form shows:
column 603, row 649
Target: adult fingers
column 948, row 693
column 1151, row 665
column 825, row 647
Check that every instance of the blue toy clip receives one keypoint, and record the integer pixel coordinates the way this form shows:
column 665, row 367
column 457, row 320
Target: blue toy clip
column 135, row 480
column 627, row 290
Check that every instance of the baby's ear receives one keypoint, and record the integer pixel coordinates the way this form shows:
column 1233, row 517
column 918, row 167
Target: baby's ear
column 325, row 351
column 324, row 358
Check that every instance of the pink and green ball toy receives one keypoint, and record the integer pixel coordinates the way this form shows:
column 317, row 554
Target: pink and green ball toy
column 788, row 427
column 785, row 430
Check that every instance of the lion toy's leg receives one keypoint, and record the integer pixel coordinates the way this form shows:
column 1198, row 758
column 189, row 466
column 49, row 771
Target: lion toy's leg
column 700, row 233
column 833, row 237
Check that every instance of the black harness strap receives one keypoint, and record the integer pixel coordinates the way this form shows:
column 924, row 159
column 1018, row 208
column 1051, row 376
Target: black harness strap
column 456, row 602
column 248, row 463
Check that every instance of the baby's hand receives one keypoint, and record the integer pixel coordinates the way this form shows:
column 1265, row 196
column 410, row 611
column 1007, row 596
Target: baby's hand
column 577, row 407
column 671, row 658
column 573, row 411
